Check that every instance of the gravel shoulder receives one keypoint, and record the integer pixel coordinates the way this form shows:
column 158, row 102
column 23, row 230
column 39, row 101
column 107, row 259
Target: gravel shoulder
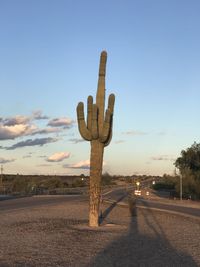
column 58, row 235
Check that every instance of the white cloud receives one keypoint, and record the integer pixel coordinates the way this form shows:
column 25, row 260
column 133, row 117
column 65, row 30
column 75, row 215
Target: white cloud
column 17, row 130
column 83, row 164
column 17, row 126
column 18, row 119
column 59, row 156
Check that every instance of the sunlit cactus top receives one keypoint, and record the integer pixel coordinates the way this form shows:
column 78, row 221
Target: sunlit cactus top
column 99, row 122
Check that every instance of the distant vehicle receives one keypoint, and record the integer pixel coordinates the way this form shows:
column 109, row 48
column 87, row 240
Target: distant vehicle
column 137, row 192
column 147, row 193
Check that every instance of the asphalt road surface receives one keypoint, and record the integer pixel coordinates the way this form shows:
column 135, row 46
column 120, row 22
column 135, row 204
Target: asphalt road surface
column 118, row 195
column 176, row 208
column 121, row 195
column 36, row 201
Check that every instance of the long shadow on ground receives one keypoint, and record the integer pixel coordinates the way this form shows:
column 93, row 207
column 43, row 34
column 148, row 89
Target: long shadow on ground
column 104, row 214
column 139, row 249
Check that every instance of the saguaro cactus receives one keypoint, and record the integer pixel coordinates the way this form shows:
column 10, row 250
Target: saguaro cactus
column 97, row 130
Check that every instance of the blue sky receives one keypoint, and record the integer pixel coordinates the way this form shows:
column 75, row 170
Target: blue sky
column 49, row 56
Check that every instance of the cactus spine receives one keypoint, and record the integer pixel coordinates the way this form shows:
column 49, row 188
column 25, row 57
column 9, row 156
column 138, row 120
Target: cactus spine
column 97, row 130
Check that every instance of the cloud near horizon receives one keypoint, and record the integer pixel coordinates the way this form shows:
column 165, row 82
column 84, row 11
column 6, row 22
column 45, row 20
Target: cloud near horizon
column 59, row 156
column 44, row 165
column 119, row 141
column 32, row 142
column 4, row 161
column 163, row 157
column 134, row 132
column 83, row 164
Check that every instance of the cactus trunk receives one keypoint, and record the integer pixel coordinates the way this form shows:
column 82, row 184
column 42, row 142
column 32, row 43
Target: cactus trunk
column 97, row 130
column 96, row 162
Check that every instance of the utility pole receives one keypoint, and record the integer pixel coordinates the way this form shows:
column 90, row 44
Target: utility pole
column 181, row 186
column 1, row 185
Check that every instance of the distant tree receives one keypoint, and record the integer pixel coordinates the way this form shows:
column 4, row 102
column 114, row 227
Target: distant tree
column 79, row 182
column 107, row 179
column 190, row 159
column 166, row 182
column 189, row 166
column 22, row 184
column 52, row 183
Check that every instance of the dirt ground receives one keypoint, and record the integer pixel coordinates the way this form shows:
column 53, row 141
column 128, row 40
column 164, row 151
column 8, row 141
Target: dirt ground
column 58, row 235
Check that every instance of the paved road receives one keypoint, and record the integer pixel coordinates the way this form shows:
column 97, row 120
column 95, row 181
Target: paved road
column 176, row 208
column 33, row 202
column 121, row 195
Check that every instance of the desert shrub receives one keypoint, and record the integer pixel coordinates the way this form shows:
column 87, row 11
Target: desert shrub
column 79, row 183
column 163, row 186
column 107, row 179
column 167, row 182
column 52, row 183
column 65, row 184
column 22, row 184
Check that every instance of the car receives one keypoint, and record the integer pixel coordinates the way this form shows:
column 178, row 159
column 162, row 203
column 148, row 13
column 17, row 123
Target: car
column 137, row 192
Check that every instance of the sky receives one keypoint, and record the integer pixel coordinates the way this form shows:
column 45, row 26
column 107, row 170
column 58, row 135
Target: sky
column 49, row 59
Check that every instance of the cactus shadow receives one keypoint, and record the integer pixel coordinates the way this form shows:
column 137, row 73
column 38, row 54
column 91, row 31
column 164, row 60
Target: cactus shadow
column 107, row 211
column 142, row 248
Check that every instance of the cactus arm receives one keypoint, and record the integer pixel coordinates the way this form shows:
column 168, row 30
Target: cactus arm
column 111, row 102
column 100, row 97
column 85, row 133
column 106, row 127
column 94, row 130
column 89, row 112
column 107, row 142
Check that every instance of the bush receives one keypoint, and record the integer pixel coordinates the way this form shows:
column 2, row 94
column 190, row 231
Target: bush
column 189, row 166
column 79, row 183
column 163, row 186
column 107, row 179
column 191, row 186
column 52, row 183
column 21, row 184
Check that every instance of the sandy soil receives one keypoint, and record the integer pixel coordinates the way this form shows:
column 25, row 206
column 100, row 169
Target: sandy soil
column 58, row 235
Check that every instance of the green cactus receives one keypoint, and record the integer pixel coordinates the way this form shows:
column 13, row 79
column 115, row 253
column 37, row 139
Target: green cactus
column 97, row 130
